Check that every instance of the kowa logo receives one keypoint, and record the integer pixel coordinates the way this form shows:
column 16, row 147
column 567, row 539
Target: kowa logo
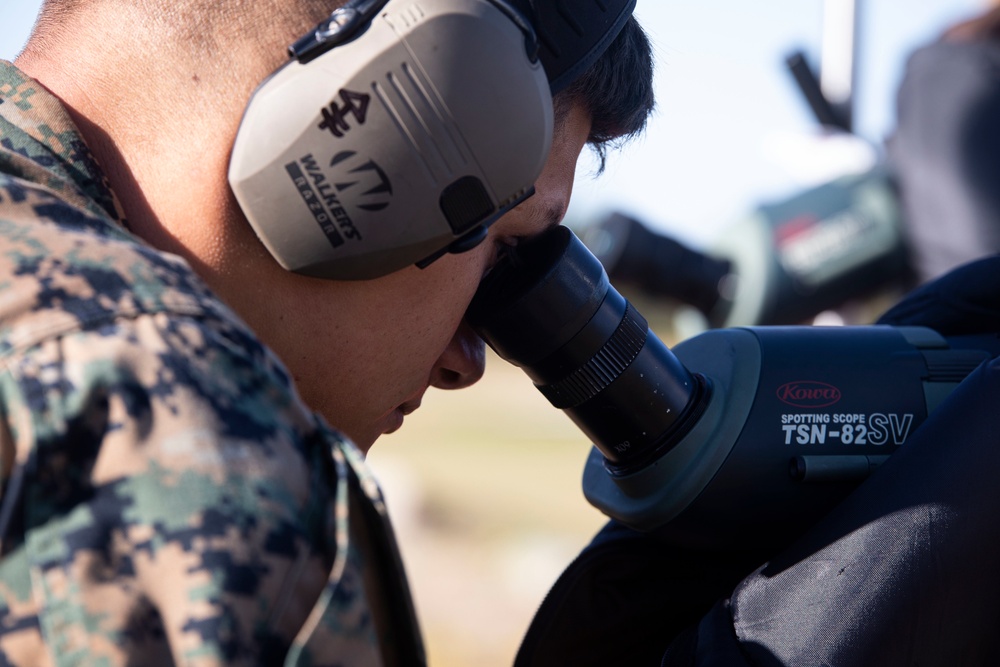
column 367, row 186
column 808, row 394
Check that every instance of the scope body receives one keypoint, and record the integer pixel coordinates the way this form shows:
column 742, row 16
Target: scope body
column 784, row 263
column 797, row 417
column 737, row 438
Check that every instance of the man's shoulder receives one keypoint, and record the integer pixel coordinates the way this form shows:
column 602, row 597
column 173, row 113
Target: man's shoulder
column 78, row 288
column 64, row 268
column 40, row 144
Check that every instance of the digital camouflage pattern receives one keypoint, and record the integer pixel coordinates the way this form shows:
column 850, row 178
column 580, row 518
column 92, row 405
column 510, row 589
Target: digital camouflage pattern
column 165, row 496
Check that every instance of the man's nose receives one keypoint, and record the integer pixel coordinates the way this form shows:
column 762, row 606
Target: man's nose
column 462, row 362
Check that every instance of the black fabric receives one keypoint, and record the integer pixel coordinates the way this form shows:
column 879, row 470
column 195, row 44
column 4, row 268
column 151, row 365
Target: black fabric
column 903, row 572
column 963, row 302
column 573, row 35
column 712, row 643
column 624, row 599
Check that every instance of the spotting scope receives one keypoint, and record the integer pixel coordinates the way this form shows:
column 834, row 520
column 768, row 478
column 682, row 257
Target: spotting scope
column 737, row 438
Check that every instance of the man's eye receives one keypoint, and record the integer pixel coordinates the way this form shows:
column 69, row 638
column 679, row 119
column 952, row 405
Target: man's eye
column 504, row 250
column 505, row 246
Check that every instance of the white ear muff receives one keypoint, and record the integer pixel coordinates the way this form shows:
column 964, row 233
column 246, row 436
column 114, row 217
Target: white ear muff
column 429, row 121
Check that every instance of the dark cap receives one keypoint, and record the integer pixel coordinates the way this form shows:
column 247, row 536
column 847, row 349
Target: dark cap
column 573, row 33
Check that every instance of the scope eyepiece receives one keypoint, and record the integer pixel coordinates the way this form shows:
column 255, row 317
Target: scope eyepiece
column 549, row 308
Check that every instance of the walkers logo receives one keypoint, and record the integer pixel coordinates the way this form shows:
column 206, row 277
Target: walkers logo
column 366, row 178
column 808, row 394
column 329, row 191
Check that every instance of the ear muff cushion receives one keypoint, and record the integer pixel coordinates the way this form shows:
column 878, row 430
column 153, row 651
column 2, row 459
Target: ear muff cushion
column 573, row 33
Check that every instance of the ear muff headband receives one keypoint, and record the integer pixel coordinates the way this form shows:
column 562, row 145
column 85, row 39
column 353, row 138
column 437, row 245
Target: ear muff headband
column 343, row 24
column 573, row 33
column 399, row 131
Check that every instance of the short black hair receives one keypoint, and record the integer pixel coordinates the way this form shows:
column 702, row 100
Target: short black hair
column 617, row 90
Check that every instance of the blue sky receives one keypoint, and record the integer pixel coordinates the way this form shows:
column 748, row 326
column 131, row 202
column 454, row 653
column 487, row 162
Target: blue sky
column 731, row 130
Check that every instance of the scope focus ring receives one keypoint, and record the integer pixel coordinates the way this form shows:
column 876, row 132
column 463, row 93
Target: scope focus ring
column 604, row 367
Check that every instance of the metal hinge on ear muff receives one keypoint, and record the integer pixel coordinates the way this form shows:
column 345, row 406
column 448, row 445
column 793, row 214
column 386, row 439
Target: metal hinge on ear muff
column 344, row 24
column 347, row 22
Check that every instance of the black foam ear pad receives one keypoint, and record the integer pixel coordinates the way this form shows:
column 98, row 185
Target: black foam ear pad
column 573, row 33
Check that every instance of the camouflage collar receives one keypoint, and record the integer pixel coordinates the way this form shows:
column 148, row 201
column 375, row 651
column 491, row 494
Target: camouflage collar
column 40, row 143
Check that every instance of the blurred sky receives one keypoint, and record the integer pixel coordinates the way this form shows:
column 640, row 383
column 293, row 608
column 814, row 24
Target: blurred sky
column 731, row 130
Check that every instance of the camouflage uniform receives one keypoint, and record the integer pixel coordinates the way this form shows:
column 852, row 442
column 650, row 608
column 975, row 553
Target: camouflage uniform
column 166, row 497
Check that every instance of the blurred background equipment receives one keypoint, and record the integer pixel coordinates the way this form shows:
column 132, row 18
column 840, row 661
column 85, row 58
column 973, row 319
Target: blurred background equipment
column 790, row 260
column 882, row 219
column 785, row 263
column 945, row 148
column 659, row 265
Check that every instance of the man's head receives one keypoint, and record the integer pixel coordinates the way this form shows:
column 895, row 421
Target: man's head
column 159, row 88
